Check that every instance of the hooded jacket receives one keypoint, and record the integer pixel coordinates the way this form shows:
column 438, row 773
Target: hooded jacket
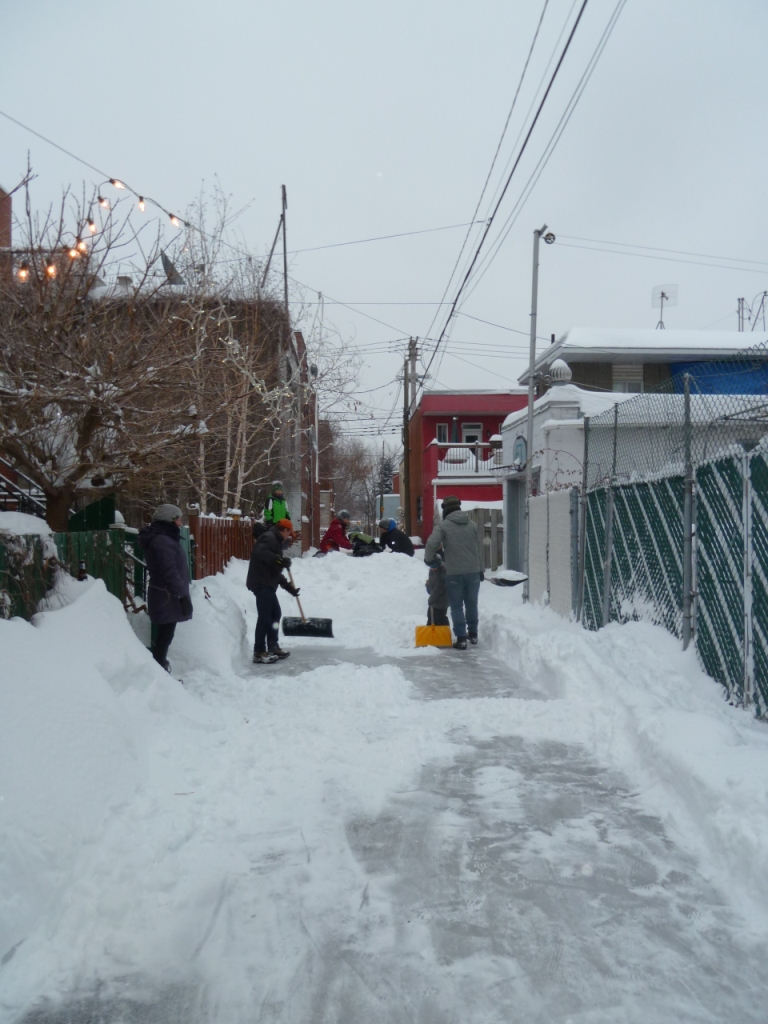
column 265, row 568
column 457, row 535
column 335, row 537
column 275, row 510
column 396, row 540
column 168, row 572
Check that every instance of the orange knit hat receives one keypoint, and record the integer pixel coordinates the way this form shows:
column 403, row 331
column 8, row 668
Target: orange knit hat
column 285, row 524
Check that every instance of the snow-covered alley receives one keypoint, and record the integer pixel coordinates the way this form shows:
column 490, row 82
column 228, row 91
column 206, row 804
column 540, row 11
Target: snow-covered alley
column 555, row 826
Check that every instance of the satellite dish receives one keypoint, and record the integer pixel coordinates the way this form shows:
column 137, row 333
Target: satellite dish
column 663, row 295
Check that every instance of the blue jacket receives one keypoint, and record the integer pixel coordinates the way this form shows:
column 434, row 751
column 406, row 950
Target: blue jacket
column 168, row 572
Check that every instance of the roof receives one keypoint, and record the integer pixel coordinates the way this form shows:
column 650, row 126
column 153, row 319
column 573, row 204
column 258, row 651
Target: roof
column 638, row 345
column 589, row 403
column 472, row 403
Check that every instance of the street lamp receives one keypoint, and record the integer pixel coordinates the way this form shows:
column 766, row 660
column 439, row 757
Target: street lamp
column 549, row 238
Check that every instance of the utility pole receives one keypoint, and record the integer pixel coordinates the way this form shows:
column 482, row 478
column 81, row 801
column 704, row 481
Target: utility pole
column 406, row 449
column 531, row 398
column 412, row 354
column 285, row 254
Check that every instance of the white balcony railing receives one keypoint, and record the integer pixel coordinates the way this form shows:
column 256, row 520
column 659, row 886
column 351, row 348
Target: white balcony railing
column 468, row 460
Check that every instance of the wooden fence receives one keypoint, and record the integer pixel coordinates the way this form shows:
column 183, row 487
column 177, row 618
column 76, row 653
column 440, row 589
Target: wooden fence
column 218, row 540
column 490, row 531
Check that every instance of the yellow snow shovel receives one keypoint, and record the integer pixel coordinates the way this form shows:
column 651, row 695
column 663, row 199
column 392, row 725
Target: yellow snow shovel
column 433, row 636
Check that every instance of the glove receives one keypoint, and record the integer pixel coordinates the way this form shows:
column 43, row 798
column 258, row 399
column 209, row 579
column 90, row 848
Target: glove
column 285, row 561
column 186, row 606
column 482, row 575
column 295, row 591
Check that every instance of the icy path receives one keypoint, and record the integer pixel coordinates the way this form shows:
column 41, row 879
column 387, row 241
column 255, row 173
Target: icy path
column 552, row 828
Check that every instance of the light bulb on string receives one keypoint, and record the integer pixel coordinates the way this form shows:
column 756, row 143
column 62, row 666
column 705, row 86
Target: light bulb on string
column 81, row 245
column 141, row 203
column 73, row 252
column 104, row 202
column 175, row 220
column 116, row 183
column 92, row 225
column 50, row 268
column 23, row 272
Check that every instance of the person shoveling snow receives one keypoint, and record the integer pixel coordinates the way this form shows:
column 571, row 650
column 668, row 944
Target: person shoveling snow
column 265, row 575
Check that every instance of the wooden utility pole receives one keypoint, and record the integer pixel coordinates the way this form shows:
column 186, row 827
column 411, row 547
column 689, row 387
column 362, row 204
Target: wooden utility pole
column 406, row 448
column 285, row 254
column 412, row 354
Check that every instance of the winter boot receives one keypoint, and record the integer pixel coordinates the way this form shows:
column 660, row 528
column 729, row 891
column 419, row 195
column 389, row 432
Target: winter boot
column 460, row 643
column 264, row 658
column 280, row 653
column 473, row 638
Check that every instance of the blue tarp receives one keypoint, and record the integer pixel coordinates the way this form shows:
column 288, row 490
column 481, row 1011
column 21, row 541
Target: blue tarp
column 741, row 377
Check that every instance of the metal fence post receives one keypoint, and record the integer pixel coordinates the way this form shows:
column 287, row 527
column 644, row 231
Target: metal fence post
column 687, row 517
column 749, row 648
column 609, row 525
column 583, row 525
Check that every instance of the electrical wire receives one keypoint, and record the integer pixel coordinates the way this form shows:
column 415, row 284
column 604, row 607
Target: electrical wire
column 508, row 182
column 495, row 157
column 656, row 248
column 667, row 259
column 548, row 150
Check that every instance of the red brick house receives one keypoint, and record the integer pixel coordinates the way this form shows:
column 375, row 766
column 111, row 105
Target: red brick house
column 451, row 451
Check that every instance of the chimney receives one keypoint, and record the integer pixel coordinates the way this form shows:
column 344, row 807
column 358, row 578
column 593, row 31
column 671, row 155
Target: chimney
column 6, row 258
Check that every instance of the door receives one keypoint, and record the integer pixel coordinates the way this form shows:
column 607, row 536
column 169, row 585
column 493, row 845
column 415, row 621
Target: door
column 471, row 433
column 514, row 524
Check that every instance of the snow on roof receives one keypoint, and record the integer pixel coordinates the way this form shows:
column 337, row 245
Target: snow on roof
column 589, row 403
column 586, row 344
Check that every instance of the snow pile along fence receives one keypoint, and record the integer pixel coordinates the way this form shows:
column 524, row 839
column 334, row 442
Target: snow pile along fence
column 675, row 527
column 490, row 531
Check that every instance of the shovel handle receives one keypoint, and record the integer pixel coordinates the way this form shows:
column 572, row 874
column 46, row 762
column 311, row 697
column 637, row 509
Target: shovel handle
column 298, row 602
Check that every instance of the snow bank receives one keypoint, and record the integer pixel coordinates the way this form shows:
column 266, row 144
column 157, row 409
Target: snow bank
column 634, row 699
column 20, row 524
column 193, row 837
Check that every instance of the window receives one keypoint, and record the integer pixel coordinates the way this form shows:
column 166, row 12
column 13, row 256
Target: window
column 628, row 377
column 418, row 509
column 471, row 433
column 442, row 433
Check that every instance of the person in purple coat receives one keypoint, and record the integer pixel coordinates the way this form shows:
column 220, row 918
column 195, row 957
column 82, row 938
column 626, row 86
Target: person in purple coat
column 168, row 600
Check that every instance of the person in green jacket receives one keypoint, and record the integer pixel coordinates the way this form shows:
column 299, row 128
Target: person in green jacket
column 276, row 508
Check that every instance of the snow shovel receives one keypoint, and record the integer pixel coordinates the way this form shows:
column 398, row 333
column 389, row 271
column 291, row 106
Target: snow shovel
column 433, row 636
column 293, row 626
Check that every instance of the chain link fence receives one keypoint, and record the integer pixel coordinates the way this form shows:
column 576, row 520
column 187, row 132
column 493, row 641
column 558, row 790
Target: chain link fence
column 675, row 517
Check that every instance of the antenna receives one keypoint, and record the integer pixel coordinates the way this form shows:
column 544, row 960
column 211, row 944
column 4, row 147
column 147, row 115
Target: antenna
column 663, row 294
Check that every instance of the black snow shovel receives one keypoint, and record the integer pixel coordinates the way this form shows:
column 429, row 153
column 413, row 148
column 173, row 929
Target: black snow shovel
column 293, row 626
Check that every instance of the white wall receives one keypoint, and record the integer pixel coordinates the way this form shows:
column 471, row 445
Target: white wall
column 550, row 559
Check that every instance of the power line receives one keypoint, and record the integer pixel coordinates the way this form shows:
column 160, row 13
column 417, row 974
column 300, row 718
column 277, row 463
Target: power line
column 656, row 248
column 549, row 148
column 495, row 156
column 667, row 259
column 508, row 181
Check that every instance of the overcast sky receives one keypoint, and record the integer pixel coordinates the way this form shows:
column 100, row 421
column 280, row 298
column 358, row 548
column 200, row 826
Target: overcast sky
column 384, row 118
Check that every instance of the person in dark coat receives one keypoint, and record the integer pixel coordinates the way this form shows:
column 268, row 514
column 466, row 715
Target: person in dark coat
column 335, row 536
column 393, row 538
column 168, row 600
column 265, row 575
column 437, row 588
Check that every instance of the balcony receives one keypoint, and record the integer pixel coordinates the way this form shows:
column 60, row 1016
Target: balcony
column 475, row 460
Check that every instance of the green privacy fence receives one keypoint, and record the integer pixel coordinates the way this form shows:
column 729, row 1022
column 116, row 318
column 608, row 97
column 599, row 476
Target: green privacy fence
column 28, row 566
column 729, row 558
